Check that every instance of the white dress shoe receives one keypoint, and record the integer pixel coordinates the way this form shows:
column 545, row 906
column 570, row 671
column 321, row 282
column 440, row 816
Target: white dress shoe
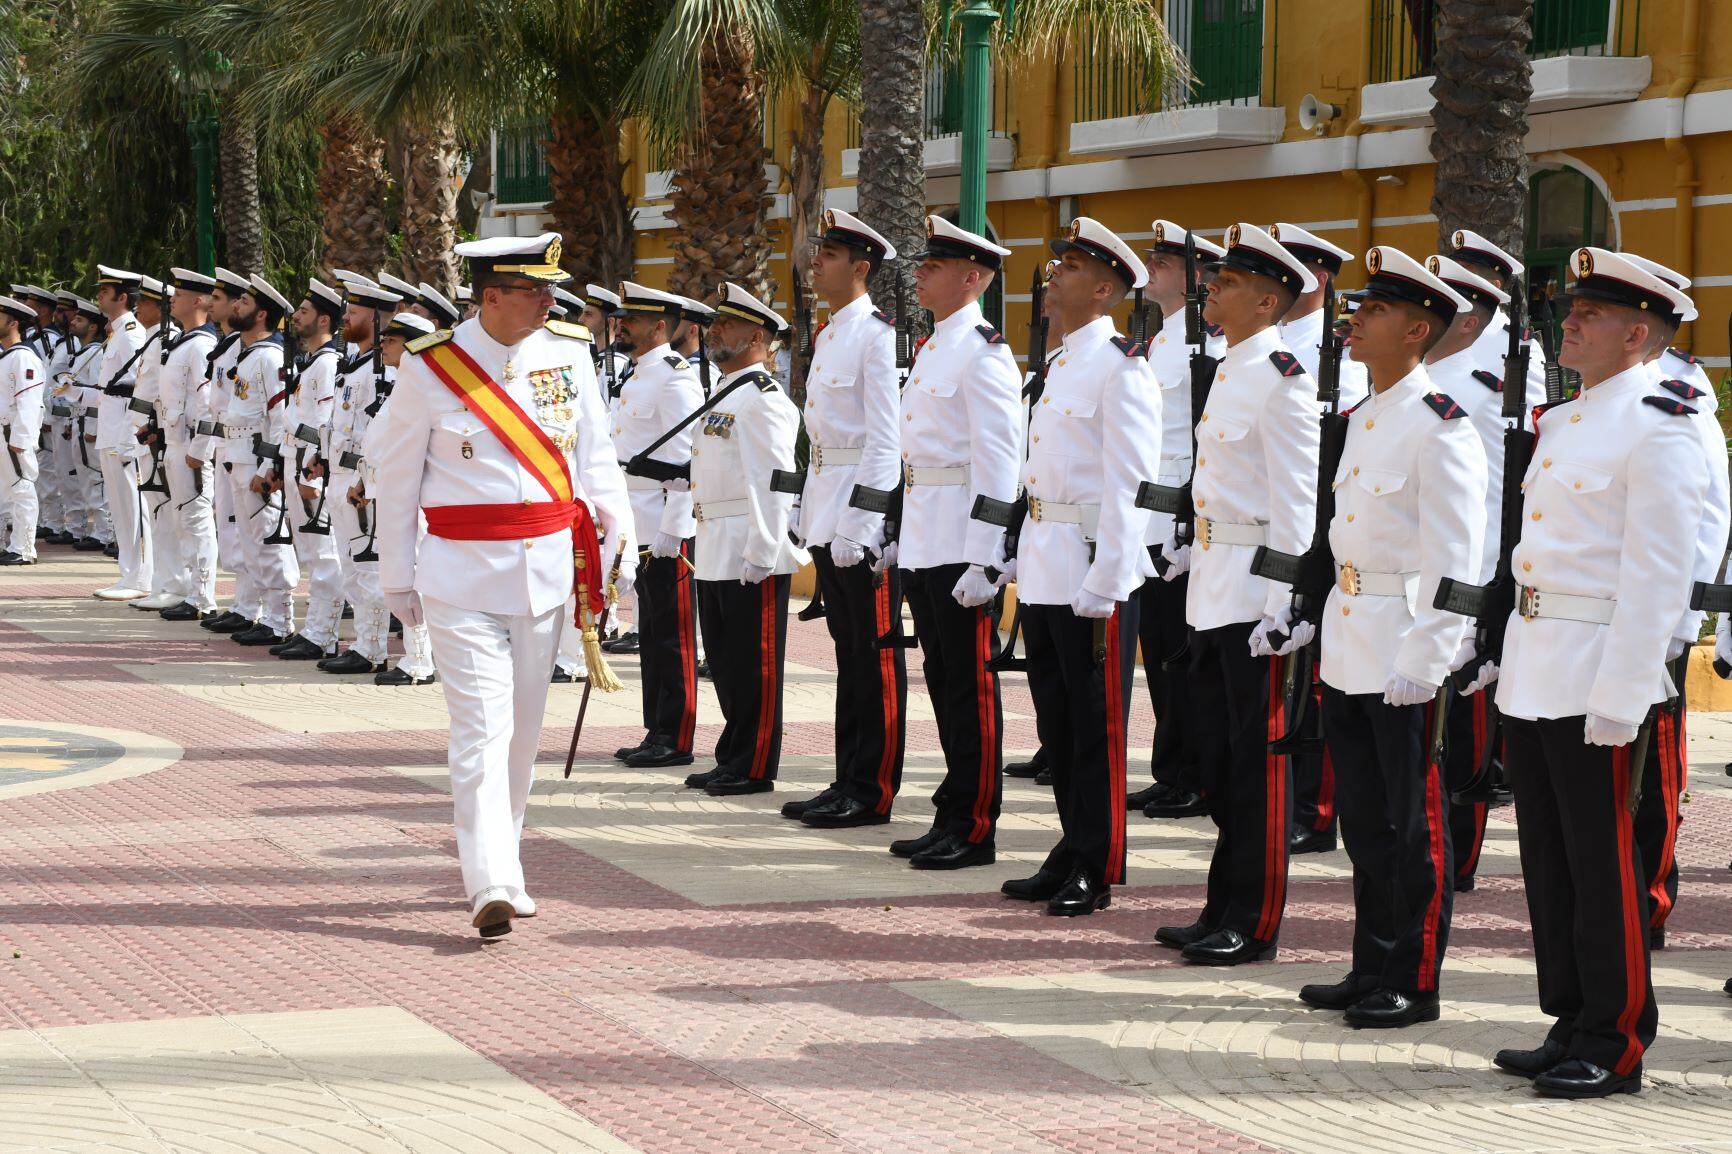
column 160, row 601
column 493, row 911
column 523, row 903
column 120, row 593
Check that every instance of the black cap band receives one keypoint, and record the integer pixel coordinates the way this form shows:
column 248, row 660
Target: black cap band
column 1390, row 287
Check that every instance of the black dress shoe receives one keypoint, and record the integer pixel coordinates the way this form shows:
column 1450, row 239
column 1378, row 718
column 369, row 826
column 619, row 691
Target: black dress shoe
column 1081, row 895
column 658, row 756
column 1044, row 777
column 186, row 611
column 1531, row 1063
column 1657, row 937
column 625, row 643
column 258, row 635
column 1179, row 937
column 795, row 810
column 562, row 677
column 843, row 812
column 298, row 648
column 1392, row 1009
column 43, row 532
column 1304, row 839
column 1146, row 796
column 704, row 670
column 702, row 780
column 909, row 846
column 1029, row 768
column 15, row 559
column 626, row 751
column 953, row 852
column 348, row 613
column 734, row 784
column 1177, row 803
column 1338, row 995
column 88, row 545
column 1575, row 1078
column 399, row 676
column 1227, row 948
column 348, row 661
column 111, row 550
column 1728, row 986
column 1039, row 888
column 1464, row 885
column 63, row 538
column 230, row 622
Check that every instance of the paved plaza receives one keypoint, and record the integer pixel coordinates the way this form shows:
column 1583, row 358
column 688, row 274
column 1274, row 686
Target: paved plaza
column 231, row 921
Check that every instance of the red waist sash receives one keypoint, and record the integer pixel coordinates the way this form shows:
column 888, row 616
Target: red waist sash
column 538, row 519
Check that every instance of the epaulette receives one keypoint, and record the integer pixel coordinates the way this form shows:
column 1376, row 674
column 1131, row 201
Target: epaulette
column 431, row 340
column 1443, row 406
column 1683, row 389
column 992, row 335
column 1670, row 405
column 1129, row 347
column 130, row 325
column 570, row 329
column 1687, row 358
column 1489, row 379
column 1286, row 363
column 885, row 317
column 765, row 382
column 1212, row 329
column 677, row 362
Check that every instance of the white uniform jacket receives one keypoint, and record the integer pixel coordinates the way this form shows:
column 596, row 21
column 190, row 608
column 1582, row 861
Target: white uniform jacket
column 739, row 443
column 1170, row 358
column 662, row 391
column 852, row 424
column 961, row 437
column 182, row 396
column 310, row 405
column 1711, row 533
column 1613, row 499
column 255, row 403
column 1093, row 439
column 1256, row 480
column 1492, row 346
column 119, row 369
column 431, row 451
column 1303, row 337
column 219, row 388
column 1409, row 511
column 22, row 376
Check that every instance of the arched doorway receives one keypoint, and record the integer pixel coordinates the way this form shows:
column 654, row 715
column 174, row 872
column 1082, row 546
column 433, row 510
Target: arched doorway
column 1565, row 212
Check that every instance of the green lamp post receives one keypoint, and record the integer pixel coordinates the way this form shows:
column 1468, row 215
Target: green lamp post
column 977, row 21
column 200, row 85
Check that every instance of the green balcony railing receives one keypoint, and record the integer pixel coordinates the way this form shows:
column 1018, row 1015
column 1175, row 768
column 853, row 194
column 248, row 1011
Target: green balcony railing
column 520, row 164
column 1403, row 33
column 1224, row 42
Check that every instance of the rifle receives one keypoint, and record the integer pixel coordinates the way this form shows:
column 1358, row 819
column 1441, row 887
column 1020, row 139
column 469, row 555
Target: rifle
column 317, row 522
column 1557, row 384
column 150, row 435
column 1490, row 605
column 793, row 481
column 642, row 466
column 1312, row 572
column 364, row 523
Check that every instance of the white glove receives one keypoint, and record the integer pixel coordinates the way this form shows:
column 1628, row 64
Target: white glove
column 1486, row 675
column 1402, row 691
column 794, row 522
column 846, row 553
column 1005, row 567
column 1177, row 559
column 625, row 582
column 1675, row 649
column 972, row 588
column 1086, row 604
column 678, row 485
column 1464, row 653
column 1289, row 635
column 886, row 558
column 751, row 574
column 1723, row 647
column 1604, row 731
column 665, row 545
column 405, row 606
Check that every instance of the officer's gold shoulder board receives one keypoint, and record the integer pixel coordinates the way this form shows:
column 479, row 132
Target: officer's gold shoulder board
column 1670, row 405
column 1443, row 406
column 992, row 335
column 570, row 329
column 1286, row 363
column 431, row 340
column 1489, row 379
column 1683, row 389
column 678, row 362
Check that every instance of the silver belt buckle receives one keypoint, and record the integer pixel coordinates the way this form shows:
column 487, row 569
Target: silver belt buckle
column 1528, row 603
column 1347, row 578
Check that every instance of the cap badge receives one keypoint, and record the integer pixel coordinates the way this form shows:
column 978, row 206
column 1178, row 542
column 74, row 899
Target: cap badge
column 1584, row 263
column 552, row 255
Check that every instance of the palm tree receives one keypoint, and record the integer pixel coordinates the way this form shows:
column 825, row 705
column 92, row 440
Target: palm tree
column 351, row 196
column 1484, row 80
column 892, row 185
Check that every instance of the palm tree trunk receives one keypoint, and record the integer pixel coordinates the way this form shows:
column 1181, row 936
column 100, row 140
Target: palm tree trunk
column 430, row 163
column 587, row 197
column 1484, row 81
column 243, row 223
column 720, row 198
column 892, row 186
column 351, row 197
column 805, row 202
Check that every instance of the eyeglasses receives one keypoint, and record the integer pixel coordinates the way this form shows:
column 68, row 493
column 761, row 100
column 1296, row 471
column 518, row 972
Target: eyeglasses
column 538, row 289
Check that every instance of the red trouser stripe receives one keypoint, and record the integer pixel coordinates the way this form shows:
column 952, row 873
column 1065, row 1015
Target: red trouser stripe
column 1435, row 826
column 1635, row 934
column 1115, row 693
column 1326, row 776
column 988, row 726
column 1669, row 737
column 1274, row 815
column 890, row 706
column 766, row 676
column 688, row 651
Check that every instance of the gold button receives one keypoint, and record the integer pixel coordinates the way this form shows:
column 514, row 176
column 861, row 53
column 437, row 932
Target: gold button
column 909, row 417
column 1032, row 478
column 1377, row 488
column 1578, row 484
column 1536, row 514
column 1346, row 611
column 1202, row 460
column 529, row 544
column 1201, row 502
column 1546, row 464
column 905, row 456
column 1037, row 438
column 1356, row 470
column 1350, row 516
column 1205, row 416
column 1369, row 422
column 1046, row 400
column 526, row 501
column 1061, row 362
column 1220, row 436
column 1527, row 566
column 1067, row 412
column 1574, row 417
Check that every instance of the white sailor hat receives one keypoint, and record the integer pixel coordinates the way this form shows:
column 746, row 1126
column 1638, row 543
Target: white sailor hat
column 365, row 294
column 845, row 228
column 30, row 292
column 1170, row 238
column 1310, row 248
column 945, row 241
column 17, row 309
column 89, row 308
column 1395, row 276
column 64, row 297
column 534, row 257
column 152, row 289
column 1250, row 249
column 1475, row 289
column 1472, row 248
column 117, row 278
column 267, row 296
column 637, row 298
column 232, row 283
column 1091, row 237
column 345, row 277
column 568, row 301
column 408, row 326
column 600, row 299
column 1670, row 275
column 1603, row 275
column 191, row 280
column 737, row 302
column 465, row 294
column 401, row 287
column 325, row 299
column 434, row 302
column 697, row 312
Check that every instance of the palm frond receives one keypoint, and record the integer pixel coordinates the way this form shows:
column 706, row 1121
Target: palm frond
column 1133, row 31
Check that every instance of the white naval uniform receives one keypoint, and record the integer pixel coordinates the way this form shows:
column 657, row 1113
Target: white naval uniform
column 316, row 554
column 417, row 658
column 1613, row 500
column 851, row 421
column 255, row 406
column 663, row 389
column 1170, row 358
column 345, row 435
column 50, row 481
column 493, row 608
column 1492, row 345
column 218, row 392
column 22, row 377
column 740, row 519
column 82, row 389
column 1678, row 365
column 1712, row 531
column 1303, row 337
column 119, row 451
column 189, row 518
column 165, row 546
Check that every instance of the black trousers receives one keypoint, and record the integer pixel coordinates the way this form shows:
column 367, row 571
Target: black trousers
column 1314, row 773
column 1394, row 823
column 1237, row 699
column 748, row 630
column 1660, row 811
column 1164, row 637
column 1586, row 897
column 1466, row 730
column 955, row 644
column 667, row 613
column 1081, row 710
column 871, row 683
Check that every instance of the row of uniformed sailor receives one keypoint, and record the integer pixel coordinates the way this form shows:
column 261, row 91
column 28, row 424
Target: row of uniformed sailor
column 23, row 380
